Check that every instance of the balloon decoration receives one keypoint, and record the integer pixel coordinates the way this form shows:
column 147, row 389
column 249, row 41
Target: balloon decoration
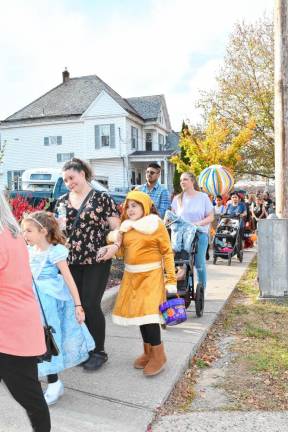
column 216, row 180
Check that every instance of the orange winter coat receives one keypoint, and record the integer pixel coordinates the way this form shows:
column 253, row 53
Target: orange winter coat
column 147, row 253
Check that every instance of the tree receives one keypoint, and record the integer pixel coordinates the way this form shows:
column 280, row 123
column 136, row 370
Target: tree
column 176, row 178
column 245, row 90
column 218, row 144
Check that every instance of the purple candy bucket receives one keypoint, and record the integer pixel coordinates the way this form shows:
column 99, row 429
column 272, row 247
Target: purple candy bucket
column 173, row 311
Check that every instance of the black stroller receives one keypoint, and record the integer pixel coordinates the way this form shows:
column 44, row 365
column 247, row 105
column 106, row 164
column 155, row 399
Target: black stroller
column 227, row 240
column 184, row 264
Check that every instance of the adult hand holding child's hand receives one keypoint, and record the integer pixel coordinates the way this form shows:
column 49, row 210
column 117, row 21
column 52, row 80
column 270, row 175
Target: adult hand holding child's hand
column 107, row 252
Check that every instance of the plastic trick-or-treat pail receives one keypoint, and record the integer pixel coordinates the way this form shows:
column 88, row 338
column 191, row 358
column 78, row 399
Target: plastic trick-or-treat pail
column 173, row 311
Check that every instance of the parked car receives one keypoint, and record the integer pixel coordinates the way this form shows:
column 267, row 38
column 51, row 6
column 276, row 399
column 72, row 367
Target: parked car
column 43, row 188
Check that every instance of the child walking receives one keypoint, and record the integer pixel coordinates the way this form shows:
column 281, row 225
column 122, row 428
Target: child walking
column 146, row 249
column 59, row 297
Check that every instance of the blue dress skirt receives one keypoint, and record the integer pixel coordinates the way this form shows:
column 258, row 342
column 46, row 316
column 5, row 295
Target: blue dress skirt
column 73, row 340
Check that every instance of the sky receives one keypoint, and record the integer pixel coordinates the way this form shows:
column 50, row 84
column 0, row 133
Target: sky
column 139, row 48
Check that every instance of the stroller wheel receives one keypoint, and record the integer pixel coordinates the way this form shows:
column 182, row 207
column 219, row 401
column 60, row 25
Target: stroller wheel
column 214, row 259
column 240, row 256
column 199, row 300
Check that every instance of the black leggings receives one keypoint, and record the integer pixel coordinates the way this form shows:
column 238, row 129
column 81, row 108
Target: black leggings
column 151, row 334
column 21, row 378
column 91, row 281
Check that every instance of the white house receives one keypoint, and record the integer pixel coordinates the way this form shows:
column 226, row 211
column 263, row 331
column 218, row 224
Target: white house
column 86, row 118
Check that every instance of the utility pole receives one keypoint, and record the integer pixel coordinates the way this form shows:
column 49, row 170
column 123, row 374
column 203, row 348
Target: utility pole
column 273, row 233
column 281, row 107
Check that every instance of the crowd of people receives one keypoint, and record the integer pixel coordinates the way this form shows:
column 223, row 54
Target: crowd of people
column 69, row 272
column 251, row 207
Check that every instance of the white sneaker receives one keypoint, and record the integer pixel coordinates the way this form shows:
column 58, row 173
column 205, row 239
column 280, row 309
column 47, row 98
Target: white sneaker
column 54, row 392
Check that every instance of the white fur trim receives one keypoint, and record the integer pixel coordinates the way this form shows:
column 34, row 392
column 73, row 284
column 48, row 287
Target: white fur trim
column 139, row 268
column 146, row 225
column 171, row 289
column 146, row 319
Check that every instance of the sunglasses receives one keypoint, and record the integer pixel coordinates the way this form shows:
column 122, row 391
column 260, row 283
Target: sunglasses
column 151, row 172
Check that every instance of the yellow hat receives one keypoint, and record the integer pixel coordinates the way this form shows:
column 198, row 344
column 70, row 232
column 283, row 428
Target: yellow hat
column 140, row 197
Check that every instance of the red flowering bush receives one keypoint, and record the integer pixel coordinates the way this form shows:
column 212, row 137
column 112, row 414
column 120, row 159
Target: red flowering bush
column 20, row 205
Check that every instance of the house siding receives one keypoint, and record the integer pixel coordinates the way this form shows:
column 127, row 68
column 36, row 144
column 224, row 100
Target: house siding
column 105, row 152
column 25, row 146
column 113, row 170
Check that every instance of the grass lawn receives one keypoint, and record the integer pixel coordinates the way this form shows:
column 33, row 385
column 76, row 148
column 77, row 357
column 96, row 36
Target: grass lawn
column 256, row 373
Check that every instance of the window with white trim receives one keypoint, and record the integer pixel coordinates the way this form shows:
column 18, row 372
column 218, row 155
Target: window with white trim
column 148, row 141
column 52, row 140
column 105, row 136
column 161, row 141
column 134, row 138
column 14, row 179
column 64, row 157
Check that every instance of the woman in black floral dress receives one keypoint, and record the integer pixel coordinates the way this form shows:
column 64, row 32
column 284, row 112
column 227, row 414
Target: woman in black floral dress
column 97, row 218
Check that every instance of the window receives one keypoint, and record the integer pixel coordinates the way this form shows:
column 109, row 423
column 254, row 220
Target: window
column 64, row 157
column 148, row 141
column 134, row 138
column 161, row 141
column 52, row 140
column 105, row 136
column 40, row 176
column 14, row 180
column 133, row 178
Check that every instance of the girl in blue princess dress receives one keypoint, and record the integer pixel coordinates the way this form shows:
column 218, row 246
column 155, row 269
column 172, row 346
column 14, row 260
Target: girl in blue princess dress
column 59, row 297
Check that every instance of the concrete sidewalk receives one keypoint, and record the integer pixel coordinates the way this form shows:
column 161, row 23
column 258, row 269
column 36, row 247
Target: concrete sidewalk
column 118, row 397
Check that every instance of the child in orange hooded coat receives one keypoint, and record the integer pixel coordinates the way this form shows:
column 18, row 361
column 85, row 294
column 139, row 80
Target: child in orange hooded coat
column 146, row 250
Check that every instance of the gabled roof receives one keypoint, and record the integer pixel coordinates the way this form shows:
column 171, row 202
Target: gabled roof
column 149, row 107
column 173, row 139
column 72, row 98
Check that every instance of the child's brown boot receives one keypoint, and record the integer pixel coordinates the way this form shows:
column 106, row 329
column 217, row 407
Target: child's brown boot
column 157, row 361
column 142, row 361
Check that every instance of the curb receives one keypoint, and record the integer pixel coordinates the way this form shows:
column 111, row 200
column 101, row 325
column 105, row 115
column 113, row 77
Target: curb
column 109, row 298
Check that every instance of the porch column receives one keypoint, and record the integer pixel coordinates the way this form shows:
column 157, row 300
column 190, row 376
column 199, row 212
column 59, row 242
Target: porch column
column 166, row 172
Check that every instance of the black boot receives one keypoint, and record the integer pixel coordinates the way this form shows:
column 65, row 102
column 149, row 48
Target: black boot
column 96, row 360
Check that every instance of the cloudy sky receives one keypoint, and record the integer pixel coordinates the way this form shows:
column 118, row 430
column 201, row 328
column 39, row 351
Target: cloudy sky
column 174, row 47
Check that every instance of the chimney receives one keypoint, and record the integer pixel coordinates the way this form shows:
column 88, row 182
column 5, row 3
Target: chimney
column 65, row 75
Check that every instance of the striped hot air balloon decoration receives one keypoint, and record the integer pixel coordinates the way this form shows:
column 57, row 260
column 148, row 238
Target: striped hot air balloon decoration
column 216, row 180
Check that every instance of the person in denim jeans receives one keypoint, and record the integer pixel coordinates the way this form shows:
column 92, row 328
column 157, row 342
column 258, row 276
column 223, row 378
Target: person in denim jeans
column 195, row 207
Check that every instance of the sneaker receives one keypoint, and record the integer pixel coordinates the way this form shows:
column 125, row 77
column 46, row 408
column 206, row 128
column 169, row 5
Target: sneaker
column 54, row 392
column 95, row 361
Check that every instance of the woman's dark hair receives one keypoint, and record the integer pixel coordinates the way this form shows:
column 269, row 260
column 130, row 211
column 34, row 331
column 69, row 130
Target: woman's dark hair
column 79, row 165
column 219, row 196
column 234, row 193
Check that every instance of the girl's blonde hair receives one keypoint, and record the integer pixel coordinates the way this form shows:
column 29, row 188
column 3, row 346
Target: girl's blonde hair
column 195, row 185
column 43, row 219
column 7, row 220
